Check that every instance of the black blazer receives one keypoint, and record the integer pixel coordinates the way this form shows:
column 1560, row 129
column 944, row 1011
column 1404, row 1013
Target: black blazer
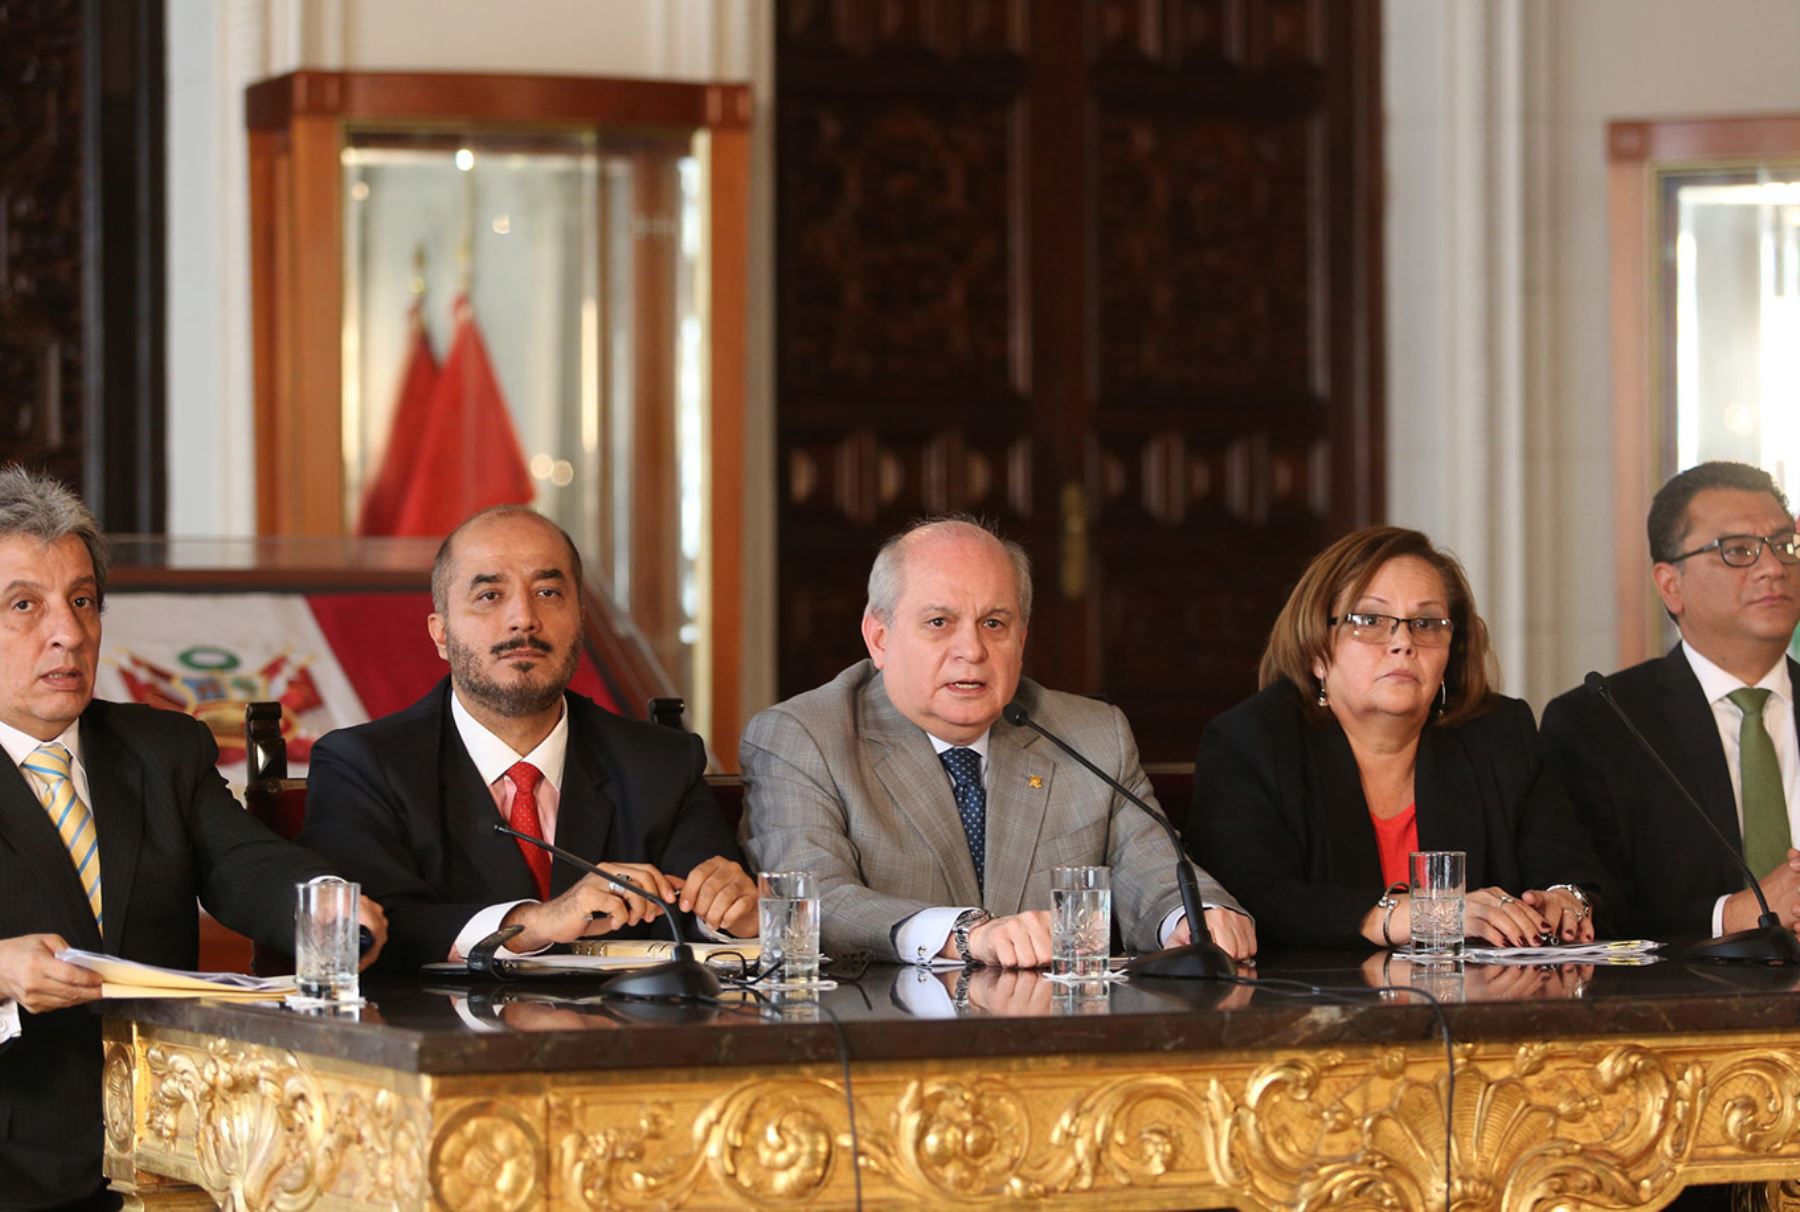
column 1279, row 816
column 398, row 803
column 169, row 831
column 1666, row 866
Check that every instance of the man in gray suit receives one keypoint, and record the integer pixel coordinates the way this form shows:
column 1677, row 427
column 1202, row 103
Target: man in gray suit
column 931, row 822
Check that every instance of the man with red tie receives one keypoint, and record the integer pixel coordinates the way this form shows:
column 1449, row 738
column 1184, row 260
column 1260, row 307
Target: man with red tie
column 407, row 804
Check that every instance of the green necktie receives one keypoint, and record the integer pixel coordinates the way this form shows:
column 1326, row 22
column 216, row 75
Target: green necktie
column 1766, row 837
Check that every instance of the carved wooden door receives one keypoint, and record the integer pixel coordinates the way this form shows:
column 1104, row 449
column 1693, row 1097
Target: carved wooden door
column 1105, row 271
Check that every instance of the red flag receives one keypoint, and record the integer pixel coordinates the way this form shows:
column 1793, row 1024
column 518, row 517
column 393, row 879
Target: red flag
column 467, row 455
column 381, row 503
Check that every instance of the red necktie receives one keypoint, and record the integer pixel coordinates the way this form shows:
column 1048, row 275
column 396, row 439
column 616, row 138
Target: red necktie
column 523, row 816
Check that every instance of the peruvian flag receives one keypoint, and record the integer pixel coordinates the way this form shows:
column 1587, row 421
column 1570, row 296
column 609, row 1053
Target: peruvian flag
column 418, row 382
column 330, row 659
column 467, row 455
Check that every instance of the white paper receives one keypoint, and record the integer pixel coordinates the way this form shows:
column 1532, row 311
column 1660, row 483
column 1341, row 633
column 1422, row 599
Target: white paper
column 1616, row 951
column 127, row 975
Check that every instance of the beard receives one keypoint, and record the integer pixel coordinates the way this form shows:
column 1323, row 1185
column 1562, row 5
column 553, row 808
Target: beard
column 525, row 692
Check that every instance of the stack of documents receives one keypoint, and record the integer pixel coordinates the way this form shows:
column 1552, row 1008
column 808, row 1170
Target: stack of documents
column 1618, row 951
column 128, row 978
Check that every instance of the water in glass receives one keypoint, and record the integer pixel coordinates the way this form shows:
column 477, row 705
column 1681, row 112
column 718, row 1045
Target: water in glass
column 326, row 954
column 788, row 915
column 1080, row 931
column 1437, row 925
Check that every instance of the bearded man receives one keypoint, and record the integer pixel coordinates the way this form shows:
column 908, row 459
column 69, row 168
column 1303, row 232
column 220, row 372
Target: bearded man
column 407, row 804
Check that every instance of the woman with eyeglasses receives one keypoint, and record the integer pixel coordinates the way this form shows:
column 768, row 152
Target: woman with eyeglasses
column 1378, row 732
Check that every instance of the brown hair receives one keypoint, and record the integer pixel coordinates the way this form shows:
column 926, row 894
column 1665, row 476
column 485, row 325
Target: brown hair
column 1337, row 577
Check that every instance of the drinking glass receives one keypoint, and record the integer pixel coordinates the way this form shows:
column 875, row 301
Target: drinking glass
column 1438, row 886
column 788, row 914
column 1080, row 922
column 325, row 941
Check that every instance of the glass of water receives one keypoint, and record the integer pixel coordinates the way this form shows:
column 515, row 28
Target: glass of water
column 1437, row 882
column 788, row 914
column 1080, row 922
column 326, row 937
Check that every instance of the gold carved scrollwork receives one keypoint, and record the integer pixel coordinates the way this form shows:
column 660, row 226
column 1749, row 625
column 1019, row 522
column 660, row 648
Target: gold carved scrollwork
column 266, row 1133
column 964, row 1137
column 486, row 1159
column 767, row 1142
column 116, row 1100
column 260, row 1132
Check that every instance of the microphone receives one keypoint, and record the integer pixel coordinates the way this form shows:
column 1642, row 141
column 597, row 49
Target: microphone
column 1768, row 942
column 682, row 978
column 1201, row 959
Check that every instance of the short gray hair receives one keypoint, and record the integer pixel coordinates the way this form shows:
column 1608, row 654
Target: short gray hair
column 40, row 506
column 887, row 575
column 446, row 552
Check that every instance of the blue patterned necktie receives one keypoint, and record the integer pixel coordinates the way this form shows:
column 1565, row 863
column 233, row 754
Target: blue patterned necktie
column 52, row 779
column 964, row 766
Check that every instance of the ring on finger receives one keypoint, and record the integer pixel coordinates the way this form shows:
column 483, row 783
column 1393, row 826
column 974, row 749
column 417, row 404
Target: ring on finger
column 1508, row 900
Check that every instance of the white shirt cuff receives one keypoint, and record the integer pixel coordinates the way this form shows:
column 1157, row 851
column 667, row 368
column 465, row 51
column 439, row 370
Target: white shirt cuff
column 483, row 924
column 921, row 936
column 1173, row 919
column 9, row 1019
column 921, row 993
column 461, row 1005
column 1718, row 922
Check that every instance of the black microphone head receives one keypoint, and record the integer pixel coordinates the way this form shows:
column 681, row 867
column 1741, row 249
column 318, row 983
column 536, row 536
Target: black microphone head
column 1594, row 682
column 500, row 829
column 1015, row 715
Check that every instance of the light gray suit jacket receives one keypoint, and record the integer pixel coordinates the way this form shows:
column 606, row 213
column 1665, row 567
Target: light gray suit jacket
column 838, row 782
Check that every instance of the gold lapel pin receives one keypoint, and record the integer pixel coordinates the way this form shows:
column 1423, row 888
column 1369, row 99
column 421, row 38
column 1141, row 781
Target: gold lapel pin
column 1036, row 782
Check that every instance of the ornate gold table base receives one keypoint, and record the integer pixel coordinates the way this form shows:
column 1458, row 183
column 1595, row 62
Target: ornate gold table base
column 1570, row 1124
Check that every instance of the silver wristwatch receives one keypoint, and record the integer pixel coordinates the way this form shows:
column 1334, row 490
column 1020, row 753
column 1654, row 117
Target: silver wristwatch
column 966, row 921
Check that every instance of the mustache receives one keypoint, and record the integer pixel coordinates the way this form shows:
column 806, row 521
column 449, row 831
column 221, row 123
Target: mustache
column 524, row 641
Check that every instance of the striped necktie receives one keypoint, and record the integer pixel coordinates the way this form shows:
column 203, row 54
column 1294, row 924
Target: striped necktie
column 48, row 766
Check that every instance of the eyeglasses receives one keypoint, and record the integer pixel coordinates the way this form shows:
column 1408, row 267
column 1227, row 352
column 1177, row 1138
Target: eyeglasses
column 1743, row 550
column 1380, row 628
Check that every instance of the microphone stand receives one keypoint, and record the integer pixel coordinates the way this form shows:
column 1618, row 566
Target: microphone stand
column 680, row 978
column 1201, row 959
column 1767, row 942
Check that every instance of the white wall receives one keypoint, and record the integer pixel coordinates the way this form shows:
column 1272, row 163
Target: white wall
column 1499, row 404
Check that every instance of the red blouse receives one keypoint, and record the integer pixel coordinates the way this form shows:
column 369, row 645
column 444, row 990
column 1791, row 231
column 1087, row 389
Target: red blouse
column 1396, row 838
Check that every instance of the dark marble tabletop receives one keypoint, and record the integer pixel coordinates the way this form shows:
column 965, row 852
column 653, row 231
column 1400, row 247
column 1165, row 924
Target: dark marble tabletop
column 894, row 1013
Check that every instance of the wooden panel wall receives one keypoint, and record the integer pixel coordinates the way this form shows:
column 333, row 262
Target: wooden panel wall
column 1104, row 270
column 81, row 239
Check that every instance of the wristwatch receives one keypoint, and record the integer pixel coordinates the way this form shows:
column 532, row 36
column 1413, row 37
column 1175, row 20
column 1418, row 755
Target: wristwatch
column 1387, row 904
column 966, row 921
column 1581, row 898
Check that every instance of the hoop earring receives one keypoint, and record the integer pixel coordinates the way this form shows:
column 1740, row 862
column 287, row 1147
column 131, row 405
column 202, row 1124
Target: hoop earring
column 1443, row 696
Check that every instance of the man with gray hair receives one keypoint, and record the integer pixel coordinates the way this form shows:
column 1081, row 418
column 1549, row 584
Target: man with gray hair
column 113, row 819
column 931, row 822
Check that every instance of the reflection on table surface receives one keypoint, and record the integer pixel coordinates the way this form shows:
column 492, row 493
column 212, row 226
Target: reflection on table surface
column 886, row 992
column 1295, row 999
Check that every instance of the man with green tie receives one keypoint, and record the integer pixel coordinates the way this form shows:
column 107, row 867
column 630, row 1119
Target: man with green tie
column 1719, row 708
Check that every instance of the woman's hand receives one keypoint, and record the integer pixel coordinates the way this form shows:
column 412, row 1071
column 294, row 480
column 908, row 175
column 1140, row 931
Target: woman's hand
column 1502, row 918
column 1568, row 917
column 1399, row 926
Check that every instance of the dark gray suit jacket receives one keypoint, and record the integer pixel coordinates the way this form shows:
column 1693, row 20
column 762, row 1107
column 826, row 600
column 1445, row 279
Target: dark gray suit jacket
column 169, row 831
column 399, row 805
column 840, row 783
column 1668, row 867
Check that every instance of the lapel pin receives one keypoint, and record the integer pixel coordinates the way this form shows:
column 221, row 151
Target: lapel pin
column 1036, row 782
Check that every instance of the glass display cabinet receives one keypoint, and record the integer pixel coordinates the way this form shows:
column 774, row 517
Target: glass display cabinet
column 474, row 289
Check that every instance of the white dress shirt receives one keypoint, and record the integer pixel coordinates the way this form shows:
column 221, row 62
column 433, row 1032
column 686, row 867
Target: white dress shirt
column 493, row 757
column 19, row 746
column 1778, row 720
column 922, row 936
